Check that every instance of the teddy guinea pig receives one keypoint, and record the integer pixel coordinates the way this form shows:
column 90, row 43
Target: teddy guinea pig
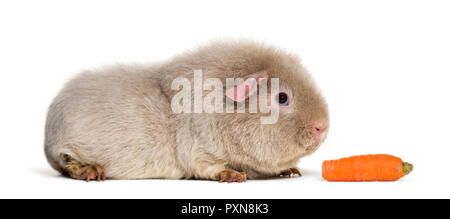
column 119, row 122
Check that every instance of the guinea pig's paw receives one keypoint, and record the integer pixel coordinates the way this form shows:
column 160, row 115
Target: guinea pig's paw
column 232, row 176
column 94, row 172
column 80, row 170
column 290, row 172
column 86, row 172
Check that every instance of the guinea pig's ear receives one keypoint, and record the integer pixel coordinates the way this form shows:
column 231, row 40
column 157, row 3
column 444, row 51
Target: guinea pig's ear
column 242, row 91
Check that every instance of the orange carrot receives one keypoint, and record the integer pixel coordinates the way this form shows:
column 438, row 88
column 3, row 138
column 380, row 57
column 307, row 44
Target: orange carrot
column 372, row 167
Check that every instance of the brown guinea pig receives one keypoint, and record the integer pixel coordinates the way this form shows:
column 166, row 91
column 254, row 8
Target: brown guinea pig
column 119, row 122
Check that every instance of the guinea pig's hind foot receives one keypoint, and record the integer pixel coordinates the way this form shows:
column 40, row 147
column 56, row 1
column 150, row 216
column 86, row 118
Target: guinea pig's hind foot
column 232, row 176
column 290, row 172
column 78, row 170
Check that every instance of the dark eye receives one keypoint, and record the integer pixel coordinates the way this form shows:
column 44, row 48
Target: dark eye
column 282, row 99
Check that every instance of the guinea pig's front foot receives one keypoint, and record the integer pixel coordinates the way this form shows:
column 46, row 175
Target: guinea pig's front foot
column 290, row 172
column 78, row 170
column 232, row 176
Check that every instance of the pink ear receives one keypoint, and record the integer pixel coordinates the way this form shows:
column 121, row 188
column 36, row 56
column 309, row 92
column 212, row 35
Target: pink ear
column 242, row 91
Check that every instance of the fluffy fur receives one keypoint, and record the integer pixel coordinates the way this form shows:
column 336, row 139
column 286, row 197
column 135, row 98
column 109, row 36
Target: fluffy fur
column 120, row 119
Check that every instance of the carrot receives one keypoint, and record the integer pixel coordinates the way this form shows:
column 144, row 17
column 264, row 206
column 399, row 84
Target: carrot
column 372, row 167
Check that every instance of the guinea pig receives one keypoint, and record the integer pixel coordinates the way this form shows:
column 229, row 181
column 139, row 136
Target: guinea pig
column 118, row 122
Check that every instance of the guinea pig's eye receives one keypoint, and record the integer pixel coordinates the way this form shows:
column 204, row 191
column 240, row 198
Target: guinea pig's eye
column 282, row 99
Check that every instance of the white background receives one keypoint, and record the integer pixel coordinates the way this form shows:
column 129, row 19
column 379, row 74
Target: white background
column 383, row 66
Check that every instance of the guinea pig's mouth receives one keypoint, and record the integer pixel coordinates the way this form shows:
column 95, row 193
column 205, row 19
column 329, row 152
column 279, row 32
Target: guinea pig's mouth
column 318, row 140
column 312, row 147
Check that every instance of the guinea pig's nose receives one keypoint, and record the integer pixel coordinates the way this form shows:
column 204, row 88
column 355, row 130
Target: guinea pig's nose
column 319, row 132
column 319, row 128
